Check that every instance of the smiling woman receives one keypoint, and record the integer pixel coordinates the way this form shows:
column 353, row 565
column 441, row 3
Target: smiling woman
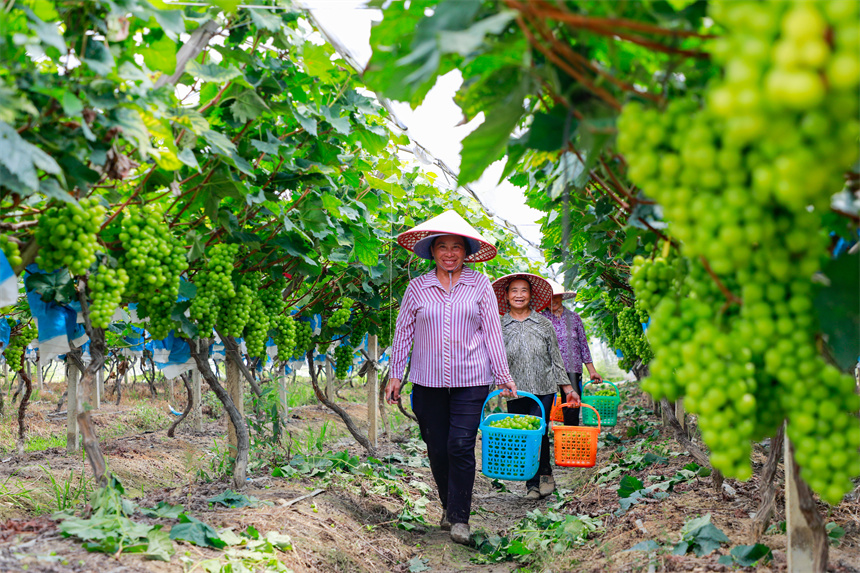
column 448, row 319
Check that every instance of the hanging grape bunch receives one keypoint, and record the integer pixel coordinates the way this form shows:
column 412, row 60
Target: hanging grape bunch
column 340, row 317
column 779, row 130
column 18, row 342
column 154, row 260
column 106, row 288
column 236, row 314
column 343, row 360
column 652, row 278
column 257, row 327
column 214, row 286
column 11, row 250
column 285, row 336
column 67, row 236
column 387, row 321
column 627, row 336
column 304, row 338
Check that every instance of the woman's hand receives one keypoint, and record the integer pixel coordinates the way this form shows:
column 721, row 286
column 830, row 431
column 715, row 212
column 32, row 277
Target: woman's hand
column 573, row 399
column 392, row 391
column 509, row 389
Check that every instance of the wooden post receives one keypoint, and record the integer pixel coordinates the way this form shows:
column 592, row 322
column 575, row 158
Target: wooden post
column 234, row 387
column 679, row 413
column 197, row 396
column 39, row 373
column 329, row 380
column 807, row 541
column 372, row 393
column 283, row 409
column 98, row 388
column 73, row 436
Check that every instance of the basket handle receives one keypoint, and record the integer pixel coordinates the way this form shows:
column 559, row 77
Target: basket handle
column 617, row 393
column 584, row 405
column 520, row 394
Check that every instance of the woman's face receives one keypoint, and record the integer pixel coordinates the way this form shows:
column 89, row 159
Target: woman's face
column 556, row 302
column 449, row 252
column 519, row 294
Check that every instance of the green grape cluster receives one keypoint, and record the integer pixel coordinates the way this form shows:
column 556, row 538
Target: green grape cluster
column 214, row 286
column 10, row 249
column 257, row 329
column 735, row 179
column 14, row 352
column 626, row 334
column 236, row 314
column 605, row 391
column 285, row 336
column 652, row 279
column 341, row 316
column 154, row 260
column 106, row 290
column 68, row 236
column 517, row 422
column 273, row 296
column 343, row 360
column 387, row 322
column 304, row 338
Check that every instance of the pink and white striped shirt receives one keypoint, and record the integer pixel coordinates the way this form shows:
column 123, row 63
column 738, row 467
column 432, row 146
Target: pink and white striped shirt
column 457, row 336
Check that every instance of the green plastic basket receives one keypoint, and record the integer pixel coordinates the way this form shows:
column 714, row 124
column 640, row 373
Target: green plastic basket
column 607, row 406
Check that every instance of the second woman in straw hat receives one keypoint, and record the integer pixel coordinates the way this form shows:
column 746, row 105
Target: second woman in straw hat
column 534, row 360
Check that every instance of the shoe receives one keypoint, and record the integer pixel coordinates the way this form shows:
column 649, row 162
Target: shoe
column 460, row 533
column 444, row 524
column 547, row 485
column 533, row 493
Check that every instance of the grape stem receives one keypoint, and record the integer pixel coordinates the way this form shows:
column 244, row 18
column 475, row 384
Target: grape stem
column 730, row 296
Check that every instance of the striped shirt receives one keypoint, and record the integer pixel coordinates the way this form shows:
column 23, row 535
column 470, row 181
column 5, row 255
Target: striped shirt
column 457, row 336
column 533, row 354
column 571, row 339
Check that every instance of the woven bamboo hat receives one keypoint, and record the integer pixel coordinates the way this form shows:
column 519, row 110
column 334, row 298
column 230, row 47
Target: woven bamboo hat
column 559, row 289
column 420, row 238
column 541, row 291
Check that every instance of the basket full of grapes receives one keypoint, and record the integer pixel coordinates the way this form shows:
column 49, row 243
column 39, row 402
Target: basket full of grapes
column 605, row 401
column 510, row 443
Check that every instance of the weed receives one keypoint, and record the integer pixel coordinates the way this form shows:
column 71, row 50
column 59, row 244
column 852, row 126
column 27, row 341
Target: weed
column 68, row 494
column 41, row 443
column 147, row 417
column 19, row 498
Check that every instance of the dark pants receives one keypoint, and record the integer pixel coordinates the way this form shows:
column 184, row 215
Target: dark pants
column 531, row 408
column 571, row 415
column 448, row 419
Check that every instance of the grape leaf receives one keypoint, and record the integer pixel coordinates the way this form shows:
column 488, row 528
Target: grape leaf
column 628, row 485
column 159, row 547
column 195, row 531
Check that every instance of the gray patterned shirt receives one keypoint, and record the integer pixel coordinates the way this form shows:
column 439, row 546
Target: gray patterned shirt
column 534, row 358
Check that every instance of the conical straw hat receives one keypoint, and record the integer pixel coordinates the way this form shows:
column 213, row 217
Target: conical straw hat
column 559, row 289
column 541, row 291
column 419, row 238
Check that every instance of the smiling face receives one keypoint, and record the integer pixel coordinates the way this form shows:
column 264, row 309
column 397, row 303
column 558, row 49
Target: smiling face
column 519, row 294
column 556, row 305
column 449, row 252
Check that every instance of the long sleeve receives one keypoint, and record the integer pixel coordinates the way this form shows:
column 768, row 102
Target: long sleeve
column 404, row 333
column 559, row 373
column 492, row 327
column 582, row 340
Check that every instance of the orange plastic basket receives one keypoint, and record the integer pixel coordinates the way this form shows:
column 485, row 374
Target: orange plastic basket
column 576, row 446
column 556, row 415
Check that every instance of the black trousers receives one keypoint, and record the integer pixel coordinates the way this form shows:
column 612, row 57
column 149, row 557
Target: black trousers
column 530, row 407
column 571, row 415
column 448, row 419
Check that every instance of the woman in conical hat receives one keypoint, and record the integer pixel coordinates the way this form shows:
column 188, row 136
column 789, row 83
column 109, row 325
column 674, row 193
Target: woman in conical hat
column 534, row 360
column 573, row 345
column 449, row 318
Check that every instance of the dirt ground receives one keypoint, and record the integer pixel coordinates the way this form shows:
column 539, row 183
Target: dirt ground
column 353, row 527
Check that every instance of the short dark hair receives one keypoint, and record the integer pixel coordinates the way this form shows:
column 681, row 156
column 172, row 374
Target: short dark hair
column 466, row 244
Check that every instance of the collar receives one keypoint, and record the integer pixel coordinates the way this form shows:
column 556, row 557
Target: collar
column 508, row 319
column 468, row 277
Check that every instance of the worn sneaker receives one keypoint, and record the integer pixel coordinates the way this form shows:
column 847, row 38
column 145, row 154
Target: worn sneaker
column 547, row 485
column 444, row 524
column 533, row 493
column 460, row 533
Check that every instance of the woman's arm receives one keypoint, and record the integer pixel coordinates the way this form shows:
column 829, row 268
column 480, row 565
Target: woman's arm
column 585, row 352
column 492, row 327
column 404, row 332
